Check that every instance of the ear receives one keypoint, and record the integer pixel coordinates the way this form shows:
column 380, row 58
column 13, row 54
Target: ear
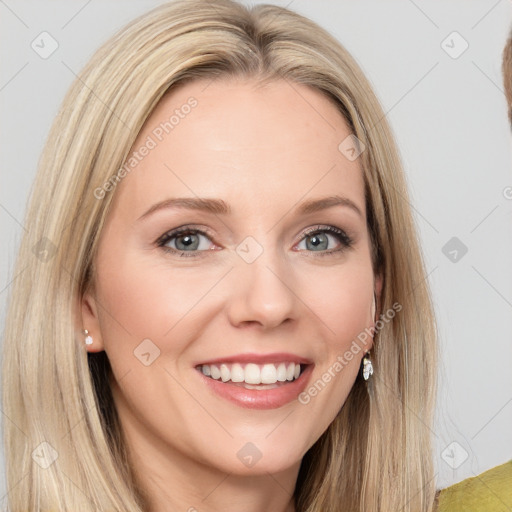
column 90, row 321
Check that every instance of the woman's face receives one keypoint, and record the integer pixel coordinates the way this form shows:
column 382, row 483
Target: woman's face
column 253, row 286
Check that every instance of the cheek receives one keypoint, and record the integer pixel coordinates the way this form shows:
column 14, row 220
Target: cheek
column 342, row 300
column 142, row 300
column 344, row 311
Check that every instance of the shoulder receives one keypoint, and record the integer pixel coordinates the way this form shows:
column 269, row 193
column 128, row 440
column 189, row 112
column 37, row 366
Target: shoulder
column 488, row 492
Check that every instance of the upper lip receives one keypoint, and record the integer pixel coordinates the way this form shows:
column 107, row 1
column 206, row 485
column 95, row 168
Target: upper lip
column 276, row 357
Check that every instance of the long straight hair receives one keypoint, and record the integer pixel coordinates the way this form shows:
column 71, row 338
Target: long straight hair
column 63, row 443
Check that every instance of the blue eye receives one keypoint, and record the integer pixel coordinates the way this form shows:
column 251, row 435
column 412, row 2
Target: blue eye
column 319, row 238
column 186, row 241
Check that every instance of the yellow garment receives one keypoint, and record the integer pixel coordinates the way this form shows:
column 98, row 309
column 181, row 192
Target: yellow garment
column 488, row 492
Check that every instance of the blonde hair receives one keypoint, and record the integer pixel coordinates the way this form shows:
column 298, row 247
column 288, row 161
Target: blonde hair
column 376, row 455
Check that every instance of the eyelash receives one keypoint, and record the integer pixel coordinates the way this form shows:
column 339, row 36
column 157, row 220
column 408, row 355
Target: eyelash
column 345, row 240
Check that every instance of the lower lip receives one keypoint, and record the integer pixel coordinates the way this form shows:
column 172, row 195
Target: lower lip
column 260, row 399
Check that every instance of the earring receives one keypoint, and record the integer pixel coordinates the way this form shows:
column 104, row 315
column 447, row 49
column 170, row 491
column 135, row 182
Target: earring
column 88, row 339
column 367, row 367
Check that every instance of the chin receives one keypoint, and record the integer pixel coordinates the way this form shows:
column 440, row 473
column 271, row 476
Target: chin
column 269, row 464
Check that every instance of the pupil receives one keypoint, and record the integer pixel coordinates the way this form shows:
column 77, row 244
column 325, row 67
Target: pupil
column 187, row 241
column 316, row 240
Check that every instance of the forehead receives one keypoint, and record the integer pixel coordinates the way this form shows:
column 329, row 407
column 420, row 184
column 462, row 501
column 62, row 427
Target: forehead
column 256, row 146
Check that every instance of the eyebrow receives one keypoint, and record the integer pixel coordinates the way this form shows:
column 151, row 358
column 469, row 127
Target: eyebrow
column 220, row 207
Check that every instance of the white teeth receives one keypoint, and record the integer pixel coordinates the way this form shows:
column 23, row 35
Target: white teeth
column 237, row 373
column 225, row 374
column 252, row 373
column 289, row 372
column 269, row 374
column 215, row 372
column 281, row 372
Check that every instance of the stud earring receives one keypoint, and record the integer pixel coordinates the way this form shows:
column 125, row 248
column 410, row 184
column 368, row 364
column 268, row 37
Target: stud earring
column 367, row 367
column 88, row 338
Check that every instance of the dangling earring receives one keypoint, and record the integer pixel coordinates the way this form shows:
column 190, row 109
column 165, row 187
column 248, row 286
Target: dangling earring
column 367, row 367
column 88, row 339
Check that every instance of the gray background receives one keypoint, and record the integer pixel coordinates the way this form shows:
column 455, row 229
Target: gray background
column 448, row 112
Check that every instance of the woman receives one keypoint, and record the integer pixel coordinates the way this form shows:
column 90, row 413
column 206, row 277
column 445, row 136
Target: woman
column 182, row 346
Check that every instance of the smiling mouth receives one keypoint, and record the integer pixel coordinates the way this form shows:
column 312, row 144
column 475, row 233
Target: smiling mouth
column 254, row 376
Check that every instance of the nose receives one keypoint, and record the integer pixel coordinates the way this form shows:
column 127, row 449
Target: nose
column 263, row 293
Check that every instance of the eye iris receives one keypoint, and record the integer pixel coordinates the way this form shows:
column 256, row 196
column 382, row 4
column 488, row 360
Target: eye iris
column 318, row 240
column 188, row 241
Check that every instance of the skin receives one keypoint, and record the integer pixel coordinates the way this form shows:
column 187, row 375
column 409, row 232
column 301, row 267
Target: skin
column 263, row 150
